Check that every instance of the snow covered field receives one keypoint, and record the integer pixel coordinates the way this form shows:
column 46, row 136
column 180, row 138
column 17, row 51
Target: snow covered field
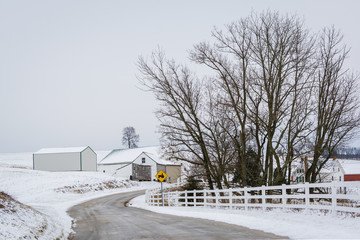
column 292, row 224
column 42, row 198
column 38, row 210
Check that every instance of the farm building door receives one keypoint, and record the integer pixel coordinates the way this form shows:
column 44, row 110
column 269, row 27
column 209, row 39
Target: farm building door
column 141, row 172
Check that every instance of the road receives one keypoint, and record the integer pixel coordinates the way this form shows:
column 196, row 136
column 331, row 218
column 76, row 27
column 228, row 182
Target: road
column 109, row 218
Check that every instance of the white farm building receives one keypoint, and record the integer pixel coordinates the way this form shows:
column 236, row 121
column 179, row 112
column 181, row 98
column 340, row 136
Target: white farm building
column 346, row 170
column 139, row 164
column 65, row 159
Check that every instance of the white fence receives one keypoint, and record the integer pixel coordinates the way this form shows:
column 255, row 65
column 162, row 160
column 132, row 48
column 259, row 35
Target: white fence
column 328, row 197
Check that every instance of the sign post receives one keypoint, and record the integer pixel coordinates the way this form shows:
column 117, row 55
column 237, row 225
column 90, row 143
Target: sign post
column 161, row 177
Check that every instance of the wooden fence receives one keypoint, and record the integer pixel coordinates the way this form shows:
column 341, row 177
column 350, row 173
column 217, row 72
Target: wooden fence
column 331, row 197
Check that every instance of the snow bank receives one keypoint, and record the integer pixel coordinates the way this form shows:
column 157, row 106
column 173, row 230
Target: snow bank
column 52, row 193
column 19, row 221
column 295, row 225
column 46, row 196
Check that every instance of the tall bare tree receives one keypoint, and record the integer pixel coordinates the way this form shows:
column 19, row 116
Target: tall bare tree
column 130, row 138
column 229, row 58
column 263, row 64
column 337, row 107
column 191, row 118
column 180, row 96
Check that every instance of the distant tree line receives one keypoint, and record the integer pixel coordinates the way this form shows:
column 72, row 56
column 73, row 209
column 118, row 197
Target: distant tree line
column 347, row 153
column 273, row 92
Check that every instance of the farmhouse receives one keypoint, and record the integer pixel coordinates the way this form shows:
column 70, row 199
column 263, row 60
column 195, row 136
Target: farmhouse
column 139, row 164
column 65, row 159
column 299, row 167
column 346, row 170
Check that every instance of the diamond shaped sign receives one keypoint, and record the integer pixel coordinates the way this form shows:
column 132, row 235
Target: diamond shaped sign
column 161, row 176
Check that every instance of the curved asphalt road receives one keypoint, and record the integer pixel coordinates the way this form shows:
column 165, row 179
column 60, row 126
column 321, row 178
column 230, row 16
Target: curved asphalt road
column 108, row 218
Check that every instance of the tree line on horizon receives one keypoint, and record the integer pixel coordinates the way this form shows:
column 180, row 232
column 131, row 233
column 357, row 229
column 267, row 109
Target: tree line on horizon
column 273, row 92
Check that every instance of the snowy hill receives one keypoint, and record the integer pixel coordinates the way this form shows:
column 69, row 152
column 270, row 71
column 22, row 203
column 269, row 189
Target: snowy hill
column 33, row 203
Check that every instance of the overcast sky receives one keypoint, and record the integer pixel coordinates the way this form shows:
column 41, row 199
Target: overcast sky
column 68, row 68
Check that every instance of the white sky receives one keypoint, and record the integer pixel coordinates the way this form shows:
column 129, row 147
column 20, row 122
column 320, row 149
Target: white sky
column 67, row 68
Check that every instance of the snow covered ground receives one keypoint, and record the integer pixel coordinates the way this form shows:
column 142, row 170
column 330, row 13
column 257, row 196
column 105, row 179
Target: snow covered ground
column 42, row 198
column 38, row 210
column 295, row 225
column 16, row 160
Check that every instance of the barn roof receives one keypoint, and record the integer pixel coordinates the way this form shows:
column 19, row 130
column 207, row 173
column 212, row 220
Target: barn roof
column 350, row 166
column 101, row 154
column 119, row 156
column 159, row 160
column 61, row 150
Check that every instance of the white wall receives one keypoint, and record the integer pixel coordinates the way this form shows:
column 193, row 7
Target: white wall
column 108, row 169
column 338, row 172
column 125, row 171
column 88, row 159
column 57, row 161
column 111, row 169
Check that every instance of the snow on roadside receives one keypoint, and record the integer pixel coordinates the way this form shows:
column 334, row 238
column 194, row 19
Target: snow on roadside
column 295, row 225
column 20, row 221
column 48, row 195
column 52, row 193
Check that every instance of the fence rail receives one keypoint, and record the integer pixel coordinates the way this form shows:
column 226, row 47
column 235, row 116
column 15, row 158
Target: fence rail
column 331, row 197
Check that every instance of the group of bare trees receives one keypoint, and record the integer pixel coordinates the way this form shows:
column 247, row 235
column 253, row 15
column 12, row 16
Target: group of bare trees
column 274, row 92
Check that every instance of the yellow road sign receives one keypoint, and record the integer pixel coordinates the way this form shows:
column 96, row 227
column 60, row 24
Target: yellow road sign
column 161, row 176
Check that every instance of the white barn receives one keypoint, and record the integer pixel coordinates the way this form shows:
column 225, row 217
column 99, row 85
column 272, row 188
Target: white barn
column 65, row 159
column 346, row 170
column 139, row 164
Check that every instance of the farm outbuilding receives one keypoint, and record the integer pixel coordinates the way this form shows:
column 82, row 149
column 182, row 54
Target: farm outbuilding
column 65, row 159
column 140, row 164
column 346, row 170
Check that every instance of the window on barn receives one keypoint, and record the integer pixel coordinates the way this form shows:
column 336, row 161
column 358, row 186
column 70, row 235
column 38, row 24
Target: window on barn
column 143, row 160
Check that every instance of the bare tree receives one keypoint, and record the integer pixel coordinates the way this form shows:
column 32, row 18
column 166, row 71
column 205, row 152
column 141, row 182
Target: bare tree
column 130, row 138
column 263, row 65
column 337, row 107
column 180, row 96
column 229, row 58
column 190, row 116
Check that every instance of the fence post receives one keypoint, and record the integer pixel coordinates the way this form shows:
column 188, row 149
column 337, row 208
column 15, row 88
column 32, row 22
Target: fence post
column 168, row 198
column 159, row 198
column 246, row 198
column 148, row 198
column 205, row 197
column 216, row 199
column 283, row 196
column 194, row 195
column 176, row 202
column 333, row 198
column 307, row 197
column 186, row 198
column 230, row 199
column 263, row 199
